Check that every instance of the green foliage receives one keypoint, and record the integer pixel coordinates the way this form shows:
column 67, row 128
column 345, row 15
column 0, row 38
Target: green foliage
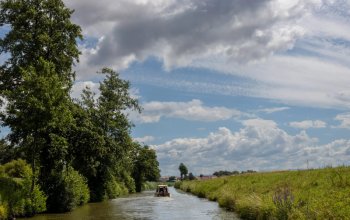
column 38, row 29
column 35, row 80
column 225, row 173
column 16, row 190
column 16, row 169
column 39, row 118
column 37, row 202
column 283, row 199
column 71, row 191
column 78, row 186
column 172, row 179
column 102, row 130
column 3, row 212
column 179, row 185
column 191, row 176
column 127, row 180
column 309, row 194
column 7, row 152
column 148, row 185
column 115, row 189
column 77, row 150
column 183, row 170
column 146, row 166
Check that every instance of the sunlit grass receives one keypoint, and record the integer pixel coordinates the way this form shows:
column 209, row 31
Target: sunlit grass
column 307, row 194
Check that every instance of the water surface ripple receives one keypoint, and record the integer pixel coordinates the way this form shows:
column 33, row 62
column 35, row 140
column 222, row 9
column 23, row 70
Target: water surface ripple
column 145, row 206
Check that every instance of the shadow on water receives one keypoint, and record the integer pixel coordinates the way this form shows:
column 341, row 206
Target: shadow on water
column 146, row 206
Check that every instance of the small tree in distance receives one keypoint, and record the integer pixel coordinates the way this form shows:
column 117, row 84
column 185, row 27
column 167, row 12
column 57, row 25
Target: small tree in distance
column 183, row 171
column 191, row 176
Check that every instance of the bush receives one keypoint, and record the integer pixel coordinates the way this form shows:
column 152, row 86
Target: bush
column 283, row 198
column 128, row 182
column 37, row 202
column 77, row 184
column 70, row 191
column 149, row 185
column 115, row 189
column 3, row 212
column 177, row 185
column 15, row 190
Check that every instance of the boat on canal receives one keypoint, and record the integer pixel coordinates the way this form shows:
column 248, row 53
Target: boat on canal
column 162, row 190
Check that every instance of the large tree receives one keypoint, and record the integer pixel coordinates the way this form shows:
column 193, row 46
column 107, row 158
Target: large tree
column 35, row 80
column 37, row 29
column 146, row 166
column 51, row 131
column 39, row 118
column 105, row 134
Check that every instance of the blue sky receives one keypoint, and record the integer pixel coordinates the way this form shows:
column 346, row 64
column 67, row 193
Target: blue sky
column 227, row 85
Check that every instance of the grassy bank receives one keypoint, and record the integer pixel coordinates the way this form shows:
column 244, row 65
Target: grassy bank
column 309, row 194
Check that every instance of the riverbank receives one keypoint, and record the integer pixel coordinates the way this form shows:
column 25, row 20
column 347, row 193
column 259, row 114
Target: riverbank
column 307, row 194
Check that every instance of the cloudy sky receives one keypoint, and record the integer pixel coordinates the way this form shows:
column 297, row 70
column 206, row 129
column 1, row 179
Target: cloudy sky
column 229, row 84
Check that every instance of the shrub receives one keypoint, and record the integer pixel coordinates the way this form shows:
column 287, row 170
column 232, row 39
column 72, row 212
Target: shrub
column 3, row 212
column 283, row 198
column 16, row 190
column 70, row 191
column 115, row 189
column 77, row 184
column 37, row 202
column 149, row 185
column 128, row 181
column 177, row 185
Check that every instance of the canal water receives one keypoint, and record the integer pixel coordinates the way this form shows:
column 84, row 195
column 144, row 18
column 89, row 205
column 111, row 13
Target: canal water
column 146, row 206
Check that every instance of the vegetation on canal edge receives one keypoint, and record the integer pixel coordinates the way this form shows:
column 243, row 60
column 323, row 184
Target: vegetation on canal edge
column 305, row 194
column 60, row 152
column 16, row 196
column 153, row 185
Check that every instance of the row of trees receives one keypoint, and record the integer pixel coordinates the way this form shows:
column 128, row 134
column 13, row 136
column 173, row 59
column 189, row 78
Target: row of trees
column 56, row 135
column 230, row 173
column 184, row 175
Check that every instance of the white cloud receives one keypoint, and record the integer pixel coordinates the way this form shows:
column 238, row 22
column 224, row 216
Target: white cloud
column 80, row 85
column 273, row 110
column 335, row 153
column 344, row 120
column 232, row 36
column 259, row 145
column 3, row 104
column 193, row 111
column 294, row 80
column 145, row 139
column 308, row 124
column 180, row 32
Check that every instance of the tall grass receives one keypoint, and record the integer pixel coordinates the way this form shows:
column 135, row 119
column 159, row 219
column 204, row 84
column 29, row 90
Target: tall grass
column 308, row 194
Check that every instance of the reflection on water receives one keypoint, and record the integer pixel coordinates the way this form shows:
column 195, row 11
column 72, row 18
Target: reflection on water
column 146, row 206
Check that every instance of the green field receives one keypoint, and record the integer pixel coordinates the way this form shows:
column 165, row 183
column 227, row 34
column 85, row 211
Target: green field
column 307, row 194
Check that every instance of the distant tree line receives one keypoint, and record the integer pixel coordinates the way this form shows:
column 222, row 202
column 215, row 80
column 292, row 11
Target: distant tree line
column 230, row 173
column 60, row 152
